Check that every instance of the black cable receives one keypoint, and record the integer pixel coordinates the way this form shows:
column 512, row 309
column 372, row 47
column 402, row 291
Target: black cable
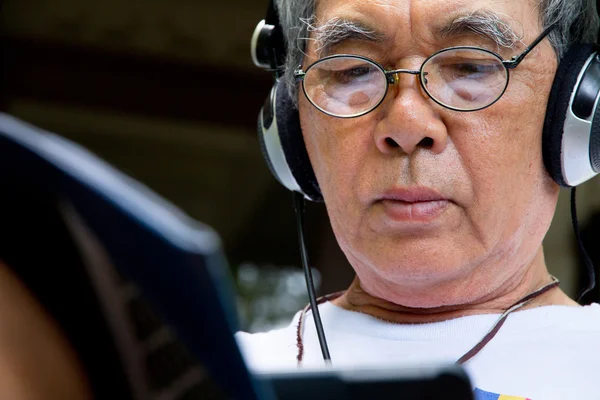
column 586, row 258
column 299, row 208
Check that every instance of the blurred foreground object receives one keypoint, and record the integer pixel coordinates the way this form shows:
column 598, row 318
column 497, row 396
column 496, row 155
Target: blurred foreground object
column 78, row 234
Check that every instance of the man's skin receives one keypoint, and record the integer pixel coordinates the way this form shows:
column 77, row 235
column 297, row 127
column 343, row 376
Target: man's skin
column 36, row 360
column 479, row 249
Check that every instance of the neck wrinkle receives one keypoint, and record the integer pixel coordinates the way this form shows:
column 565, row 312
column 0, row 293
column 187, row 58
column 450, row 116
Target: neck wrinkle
column 357, row 299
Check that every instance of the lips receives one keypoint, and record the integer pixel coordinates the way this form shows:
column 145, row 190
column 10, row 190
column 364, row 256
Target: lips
column 416, row 204
column 412, row 195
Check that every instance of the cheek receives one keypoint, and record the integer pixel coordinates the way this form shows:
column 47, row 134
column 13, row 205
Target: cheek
column 509, row 132
column 501, row 149
column 505, row 139
column 334, row 147
column 339, row 150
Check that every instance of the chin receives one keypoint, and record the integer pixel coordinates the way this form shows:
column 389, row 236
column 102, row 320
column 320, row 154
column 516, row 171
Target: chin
column 430, row 294
column 425, row 279
column 422, row 273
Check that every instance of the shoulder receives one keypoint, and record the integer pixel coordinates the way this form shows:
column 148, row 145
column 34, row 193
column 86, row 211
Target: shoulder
column 585, row 318
column 584, row 321
column 559, row 320
column 558, row 344
column 270, row 350
column 573, row 330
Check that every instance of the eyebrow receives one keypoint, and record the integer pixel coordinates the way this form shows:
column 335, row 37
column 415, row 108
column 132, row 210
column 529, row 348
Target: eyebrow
column 484, row 23
column 338, row 30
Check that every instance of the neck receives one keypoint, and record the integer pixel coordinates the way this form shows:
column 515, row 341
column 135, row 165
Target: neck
column 357, row 299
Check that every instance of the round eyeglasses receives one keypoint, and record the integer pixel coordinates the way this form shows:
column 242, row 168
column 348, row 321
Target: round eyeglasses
column 458, row 78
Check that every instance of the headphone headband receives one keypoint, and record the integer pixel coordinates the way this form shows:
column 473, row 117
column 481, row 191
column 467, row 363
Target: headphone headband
column 272, row 17
column 268, row 45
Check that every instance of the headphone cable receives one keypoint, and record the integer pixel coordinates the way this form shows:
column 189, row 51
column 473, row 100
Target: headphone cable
column 299, row 208
column 584, row 254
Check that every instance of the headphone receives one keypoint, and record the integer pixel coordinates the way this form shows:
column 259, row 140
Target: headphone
column 570, row 139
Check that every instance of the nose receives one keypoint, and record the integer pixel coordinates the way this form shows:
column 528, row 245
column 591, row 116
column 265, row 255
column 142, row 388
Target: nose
column 409, row 120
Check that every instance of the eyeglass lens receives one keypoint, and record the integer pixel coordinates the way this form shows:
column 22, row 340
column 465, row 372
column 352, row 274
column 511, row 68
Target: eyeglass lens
column 345, row 86
column 464, row 79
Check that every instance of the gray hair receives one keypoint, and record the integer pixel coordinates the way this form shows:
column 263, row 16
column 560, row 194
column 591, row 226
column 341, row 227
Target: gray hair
column 577, row 21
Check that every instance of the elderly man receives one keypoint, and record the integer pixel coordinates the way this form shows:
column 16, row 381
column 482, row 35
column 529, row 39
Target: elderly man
column 441, row 212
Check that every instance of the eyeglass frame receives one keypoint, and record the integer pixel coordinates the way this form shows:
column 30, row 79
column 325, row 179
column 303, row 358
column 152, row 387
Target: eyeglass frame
column 390, row 76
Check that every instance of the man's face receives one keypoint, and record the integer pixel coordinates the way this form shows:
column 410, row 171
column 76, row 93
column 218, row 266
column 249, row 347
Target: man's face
column 421, row 197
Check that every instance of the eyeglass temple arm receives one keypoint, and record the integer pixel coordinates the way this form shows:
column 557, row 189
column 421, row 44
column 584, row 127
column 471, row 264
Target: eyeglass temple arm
column 516, row 60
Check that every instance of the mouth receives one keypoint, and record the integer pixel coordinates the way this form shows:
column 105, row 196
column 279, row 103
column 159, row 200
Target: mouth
column 416, row 204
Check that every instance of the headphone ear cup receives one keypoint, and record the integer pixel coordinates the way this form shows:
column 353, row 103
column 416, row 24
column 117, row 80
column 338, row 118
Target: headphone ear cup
column 566, row 82
column 282, row 144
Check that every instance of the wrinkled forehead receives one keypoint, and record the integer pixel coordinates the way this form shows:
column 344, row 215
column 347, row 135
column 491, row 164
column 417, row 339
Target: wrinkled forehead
column 504, row 22
column 412, row 11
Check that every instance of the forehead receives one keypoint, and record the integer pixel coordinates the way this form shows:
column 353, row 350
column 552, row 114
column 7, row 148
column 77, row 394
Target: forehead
column 419, row 17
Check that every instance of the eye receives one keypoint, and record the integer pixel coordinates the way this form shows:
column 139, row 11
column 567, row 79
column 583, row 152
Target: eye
column 466, row 69
column 352, row 74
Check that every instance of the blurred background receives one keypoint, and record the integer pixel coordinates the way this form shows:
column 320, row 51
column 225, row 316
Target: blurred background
column 166, row 91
